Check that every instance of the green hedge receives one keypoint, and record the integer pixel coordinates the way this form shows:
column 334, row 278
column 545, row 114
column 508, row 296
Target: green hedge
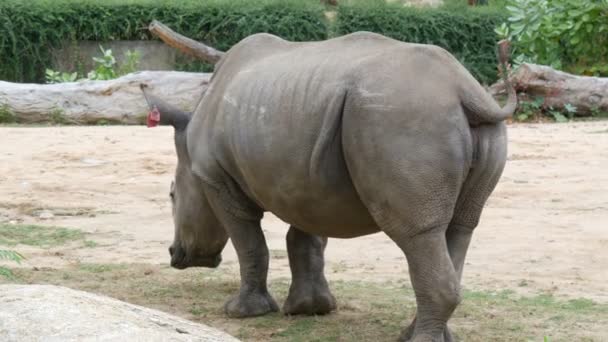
column 29, row 28
column 466, row 33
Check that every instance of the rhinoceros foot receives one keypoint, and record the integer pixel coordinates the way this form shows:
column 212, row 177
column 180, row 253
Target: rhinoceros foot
column 407, row 335
column 250, row 304
column 309, row 300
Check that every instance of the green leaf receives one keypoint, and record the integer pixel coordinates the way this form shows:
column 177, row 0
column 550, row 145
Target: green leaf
column 538, row 102
column 559, row 117
column 570, row 108
column 6, row 273
column 11, row 255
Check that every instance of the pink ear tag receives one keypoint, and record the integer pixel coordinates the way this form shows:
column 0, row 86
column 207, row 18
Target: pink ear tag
column 153, row 117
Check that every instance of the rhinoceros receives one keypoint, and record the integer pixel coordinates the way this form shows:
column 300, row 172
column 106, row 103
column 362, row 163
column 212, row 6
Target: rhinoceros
column 339, row 138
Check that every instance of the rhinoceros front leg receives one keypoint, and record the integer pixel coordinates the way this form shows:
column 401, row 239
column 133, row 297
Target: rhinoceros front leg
column 253, row 298
column 248, row 240
column 309, row 293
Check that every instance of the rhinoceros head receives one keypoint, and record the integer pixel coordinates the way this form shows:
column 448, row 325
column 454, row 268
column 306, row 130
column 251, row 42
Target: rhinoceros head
column 199, row 237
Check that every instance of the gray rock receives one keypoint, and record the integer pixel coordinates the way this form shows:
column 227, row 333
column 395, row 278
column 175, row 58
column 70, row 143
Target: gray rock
column 46, row 215
column 52, row 313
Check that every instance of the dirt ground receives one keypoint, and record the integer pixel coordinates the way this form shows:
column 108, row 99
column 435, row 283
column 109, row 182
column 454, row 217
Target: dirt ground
column 545, row 228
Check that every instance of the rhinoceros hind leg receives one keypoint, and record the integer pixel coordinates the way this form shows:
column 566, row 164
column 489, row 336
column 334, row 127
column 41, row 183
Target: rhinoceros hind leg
column 309, row 293
column 435, row 283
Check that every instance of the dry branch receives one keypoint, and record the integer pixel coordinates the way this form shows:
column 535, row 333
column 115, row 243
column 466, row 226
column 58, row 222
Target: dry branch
column 558, row 88
column 184, row 44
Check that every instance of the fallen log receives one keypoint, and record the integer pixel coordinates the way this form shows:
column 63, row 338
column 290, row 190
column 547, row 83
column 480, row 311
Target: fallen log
column 88, row 102
column 114, row 101
column 558, row 89
column 184, row 44
column 121, row 100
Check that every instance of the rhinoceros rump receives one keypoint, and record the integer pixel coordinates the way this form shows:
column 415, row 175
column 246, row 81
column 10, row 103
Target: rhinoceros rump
column 339, row 138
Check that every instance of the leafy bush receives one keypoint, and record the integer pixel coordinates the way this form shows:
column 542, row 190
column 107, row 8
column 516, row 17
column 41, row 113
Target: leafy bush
column 536, row 108
column 106, row 68
column 30, row 28
column 466, row 32
column 53, row 76
column 565, row 34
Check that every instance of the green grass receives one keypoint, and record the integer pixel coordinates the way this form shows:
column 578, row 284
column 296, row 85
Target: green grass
column 367, row 311
column 58, row 117
column 6, row 116
column 12, row 256
column 39, row 236
column 101, row 268
column 90, row 244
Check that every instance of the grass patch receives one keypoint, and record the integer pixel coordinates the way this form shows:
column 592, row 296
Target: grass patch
column 58, row 117
column 39, row 236
column 367, row 311
column 6, row 116
column 12, row 256
column 90, row 244
column 101, row 268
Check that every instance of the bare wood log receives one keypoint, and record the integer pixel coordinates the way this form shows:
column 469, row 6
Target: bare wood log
column 114, row 101
column 587, row 94
column 184, row 44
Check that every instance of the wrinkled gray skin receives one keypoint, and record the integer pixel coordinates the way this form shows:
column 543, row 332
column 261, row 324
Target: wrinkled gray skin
column 340, row 138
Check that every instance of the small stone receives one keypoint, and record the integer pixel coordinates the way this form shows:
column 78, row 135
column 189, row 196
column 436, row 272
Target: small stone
column 92, row 161
column 46, row 215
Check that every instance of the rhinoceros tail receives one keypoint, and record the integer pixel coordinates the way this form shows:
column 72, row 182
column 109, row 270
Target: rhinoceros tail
column 479, row 106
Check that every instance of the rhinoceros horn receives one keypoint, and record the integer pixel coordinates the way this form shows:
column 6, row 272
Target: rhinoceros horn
column 163, row 113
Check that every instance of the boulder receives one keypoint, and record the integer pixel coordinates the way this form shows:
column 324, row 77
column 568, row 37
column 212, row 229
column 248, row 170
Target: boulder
column 54, row 313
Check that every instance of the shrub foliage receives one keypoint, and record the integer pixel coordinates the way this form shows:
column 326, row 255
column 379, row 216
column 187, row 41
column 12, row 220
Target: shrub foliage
column 565, row 34
column 466, row 33
column 30, row 28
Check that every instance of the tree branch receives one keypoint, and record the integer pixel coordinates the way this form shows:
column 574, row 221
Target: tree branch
column 184, row 44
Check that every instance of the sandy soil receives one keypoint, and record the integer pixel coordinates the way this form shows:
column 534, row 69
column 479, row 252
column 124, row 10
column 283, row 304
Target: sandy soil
column 544, row 229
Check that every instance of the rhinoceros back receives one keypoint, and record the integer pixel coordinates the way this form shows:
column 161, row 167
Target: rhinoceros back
column 270, row 122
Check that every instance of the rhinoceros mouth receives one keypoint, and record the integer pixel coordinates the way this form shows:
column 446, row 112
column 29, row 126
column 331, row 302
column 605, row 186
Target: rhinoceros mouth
column 180, row 260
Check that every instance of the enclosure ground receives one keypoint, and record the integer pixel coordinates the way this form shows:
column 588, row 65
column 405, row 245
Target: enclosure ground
column 368, row 311
column 543, row 233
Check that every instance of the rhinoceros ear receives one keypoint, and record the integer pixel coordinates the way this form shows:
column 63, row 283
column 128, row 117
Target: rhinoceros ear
column 163, row 113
